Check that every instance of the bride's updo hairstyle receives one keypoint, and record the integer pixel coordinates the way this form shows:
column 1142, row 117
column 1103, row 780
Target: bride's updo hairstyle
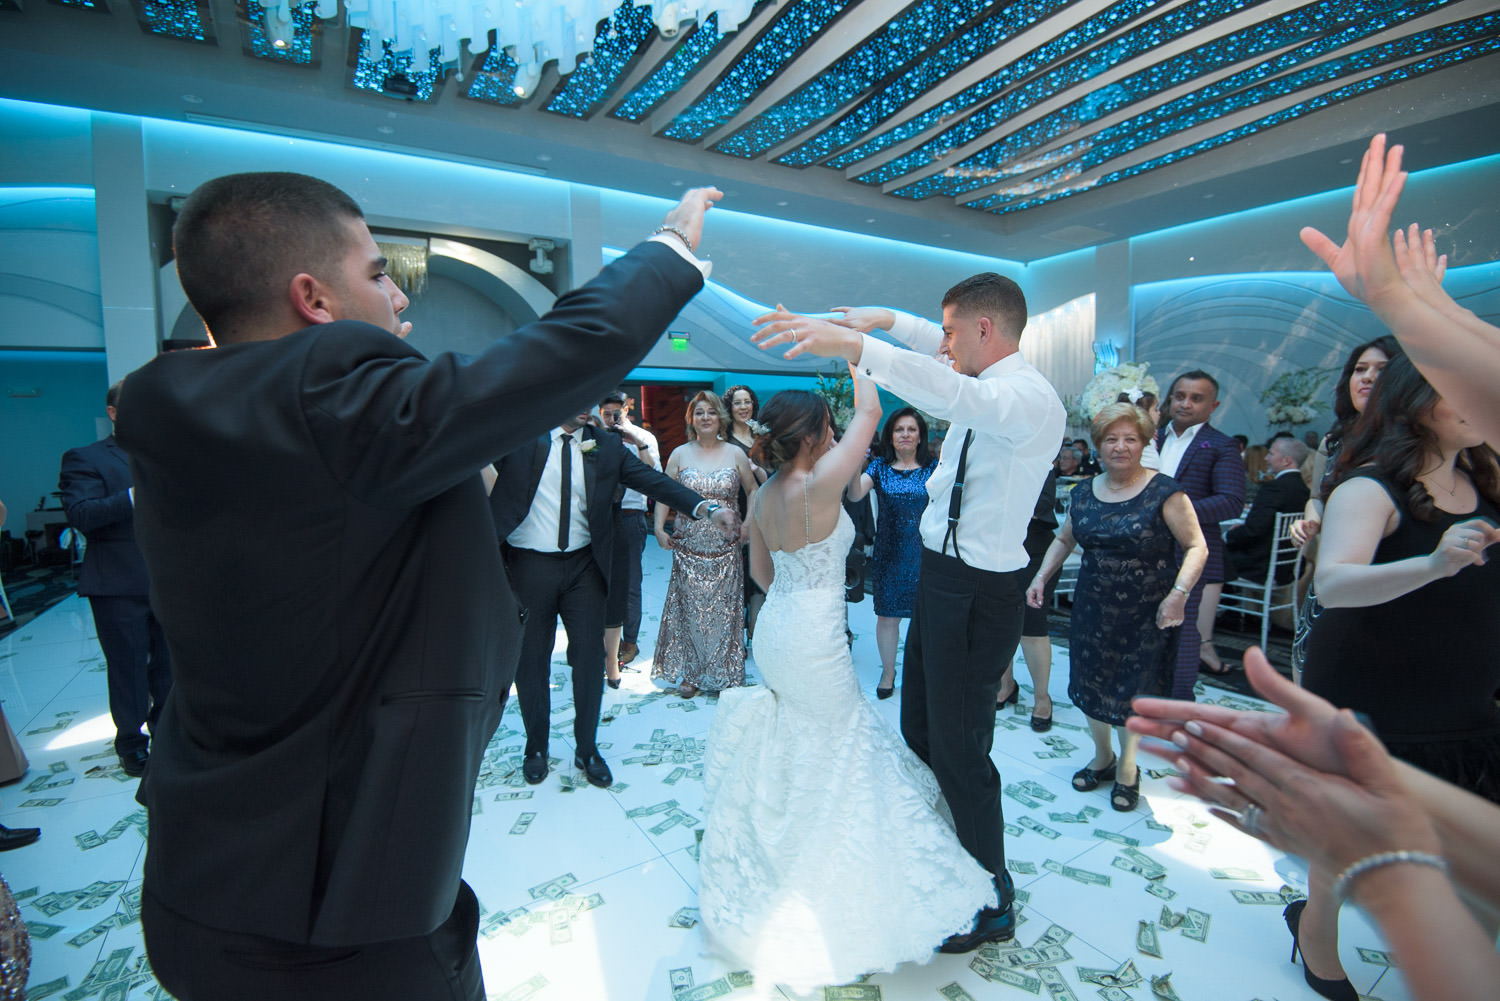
column 788, row 419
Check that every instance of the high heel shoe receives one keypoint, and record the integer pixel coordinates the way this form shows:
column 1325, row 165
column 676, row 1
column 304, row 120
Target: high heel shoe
column 1125, row 797
column 1013, row 698
column 1334, row 990
column 884, row 693
column 1089, row 779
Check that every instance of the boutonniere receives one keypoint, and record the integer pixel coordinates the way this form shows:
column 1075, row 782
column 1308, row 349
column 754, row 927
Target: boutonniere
column 587, row 445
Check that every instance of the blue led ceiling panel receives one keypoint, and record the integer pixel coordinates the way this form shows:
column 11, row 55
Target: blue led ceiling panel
column 494, row 78
column 1330, row 23
column 393, row 74
column 189, row 20
column 902, row 40
column 623, row 35
column 1000, row 205
column 796, row 27
column 304, row 48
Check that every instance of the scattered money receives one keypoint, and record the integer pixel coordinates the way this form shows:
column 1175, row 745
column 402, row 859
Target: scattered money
column 553, row 889
column 953, row 992
column 1375, row 957
column 1195, row 925
column 1021, row 868
column 704, row 992
column 1040, row 828
column 739, row 978
column 852, row 992
column 524, row 990
column 1113, row 994
column 1160, row 890
column 1057, row 988
column 40, row 929
column 1039, row 791
column 522, row 823
column 36, row 992
column 1170, row 919
column 1145, row 939
column 1016, row 793
column 1257, row 897
column 680, row 978
column 686, row 917
column 1234, row 873
column 1118, row 839
column 41, row 802
column 1162, row 987
column 508, row 797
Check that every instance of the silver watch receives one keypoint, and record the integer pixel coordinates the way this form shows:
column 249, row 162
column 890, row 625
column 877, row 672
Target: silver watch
column 710, row 508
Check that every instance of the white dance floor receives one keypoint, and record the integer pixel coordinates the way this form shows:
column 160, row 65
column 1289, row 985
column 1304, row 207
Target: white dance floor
column 590, row 895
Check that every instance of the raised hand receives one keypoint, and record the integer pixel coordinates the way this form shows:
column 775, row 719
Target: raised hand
column 806, row 335
column 865, row 319
column 1420, row 265
column 1364, row 264
column 687, row 215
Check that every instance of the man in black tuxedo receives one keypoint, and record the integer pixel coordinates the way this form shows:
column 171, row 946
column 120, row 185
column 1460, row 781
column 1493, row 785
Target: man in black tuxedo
column 97, row 495
column 554, row 507
column 1247, row 547
column 308, row 501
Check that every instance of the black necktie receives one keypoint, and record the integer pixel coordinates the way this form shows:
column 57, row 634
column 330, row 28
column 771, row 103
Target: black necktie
column 565, row 501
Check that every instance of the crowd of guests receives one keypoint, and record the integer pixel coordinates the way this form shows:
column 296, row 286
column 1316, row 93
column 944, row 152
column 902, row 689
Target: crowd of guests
column 1402, row 506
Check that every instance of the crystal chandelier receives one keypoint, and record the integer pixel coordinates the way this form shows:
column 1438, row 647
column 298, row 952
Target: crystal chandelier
column 535, row 31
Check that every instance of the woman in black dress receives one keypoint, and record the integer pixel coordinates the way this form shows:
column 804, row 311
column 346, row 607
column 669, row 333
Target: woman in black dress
column 1409, row 631
column 1131, row 591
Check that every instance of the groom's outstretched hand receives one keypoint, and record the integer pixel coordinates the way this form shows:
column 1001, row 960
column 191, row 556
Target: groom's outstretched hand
column 687, row 215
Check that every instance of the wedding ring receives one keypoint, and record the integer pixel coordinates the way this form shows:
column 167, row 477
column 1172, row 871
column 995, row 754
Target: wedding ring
column 1250, row 820
column 794, row 335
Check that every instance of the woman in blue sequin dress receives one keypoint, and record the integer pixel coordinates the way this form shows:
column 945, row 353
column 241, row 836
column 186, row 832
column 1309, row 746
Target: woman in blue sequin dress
column 898, row 474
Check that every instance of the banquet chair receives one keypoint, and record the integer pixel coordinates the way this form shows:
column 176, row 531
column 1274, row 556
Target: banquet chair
column 1260, row 598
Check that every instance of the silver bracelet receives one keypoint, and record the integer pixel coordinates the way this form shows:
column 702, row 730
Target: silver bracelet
column 1184, row 590
column 1364, row 865
column 667, row 228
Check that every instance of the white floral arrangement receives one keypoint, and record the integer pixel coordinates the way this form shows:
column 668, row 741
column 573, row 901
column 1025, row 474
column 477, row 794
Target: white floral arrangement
column 1296, row 398
column 1104, row 388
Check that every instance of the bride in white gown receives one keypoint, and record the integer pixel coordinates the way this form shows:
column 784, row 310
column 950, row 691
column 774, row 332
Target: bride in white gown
column 824, row 856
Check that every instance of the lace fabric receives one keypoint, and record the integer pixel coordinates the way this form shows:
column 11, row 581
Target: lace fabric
column 824, row 855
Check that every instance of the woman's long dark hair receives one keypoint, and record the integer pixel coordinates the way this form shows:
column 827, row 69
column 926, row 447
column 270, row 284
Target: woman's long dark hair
column 1392, row 437
column 793, row 415
column 888, row 436
column 1344, row 414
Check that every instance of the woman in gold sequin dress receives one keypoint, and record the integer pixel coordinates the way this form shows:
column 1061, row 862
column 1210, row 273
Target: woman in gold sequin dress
column 701, row 646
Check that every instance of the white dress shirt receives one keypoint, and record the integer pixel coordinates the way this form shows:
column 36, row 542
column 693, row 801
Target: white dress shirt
column 1175, row 446
column 1017, row 419
column 1150, row 457
column 634, row 500
column 538, row 530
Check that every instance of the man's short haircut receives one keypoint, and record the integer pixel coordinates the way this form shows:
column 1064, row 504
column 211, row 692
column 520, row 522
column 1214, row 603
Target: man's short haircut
column 112, row 394
column 240, row 238
column 617, row 399
column 1291, row 448
column 1196, row 373
column 991, row 295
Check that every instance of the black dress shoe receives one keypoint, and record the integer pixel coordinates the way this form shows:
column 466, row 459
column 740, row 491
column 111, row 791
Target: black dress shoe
column 133, row 763
column 597, row 771
column 535, row 767
column 17, row 837
column 612, row 682
column 990, row 925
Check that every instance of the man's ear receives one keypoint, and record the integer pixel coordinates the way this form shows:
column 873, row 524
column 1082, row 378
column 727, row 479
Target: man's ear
column 986, row 328
column 312, row 300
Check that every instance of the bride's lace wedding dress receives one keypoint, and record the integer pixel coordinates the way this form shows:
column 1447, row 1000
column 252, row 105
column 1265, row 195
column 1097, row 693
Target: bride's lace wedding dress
column 823, row 855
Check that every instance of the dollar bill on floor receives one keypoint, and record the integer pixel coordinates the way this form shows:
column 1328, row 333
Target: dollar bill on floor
column 553, row 889
column 1040, row 828
column 1235, row 873
column 1169, row 919
column 41, row 929
column 955, row 992
column 1146, row 941
column 522, row 823
column 1161, row 987
column 852, row 992
column 1114, row 994
column 1195, row 925
column 1057, row 987
column 1375, row 957
column 739, row 978
column 1118, row 839
column 526, row 989
column 686, row 917
column 37, row 992
column 1021, row 868
column 1016, row 793
column 704, row 992
column 41, row 802
column 1258, row 897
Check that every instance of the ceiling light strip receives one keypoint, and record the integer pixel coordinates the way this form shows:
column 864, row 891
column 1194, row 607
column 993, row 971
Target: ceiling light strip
column 685, row 60
column 794, row 29
column 1430, row 64
column 902, row 39
column 1330, row 24
column 627, row 30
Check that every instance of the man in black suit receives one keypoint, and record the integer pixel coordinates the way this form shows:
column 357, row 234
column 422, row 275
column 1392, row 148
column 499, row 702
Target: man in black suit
column 1247, row 547
column 308, row 502
column 97, row 495
column 554, row 508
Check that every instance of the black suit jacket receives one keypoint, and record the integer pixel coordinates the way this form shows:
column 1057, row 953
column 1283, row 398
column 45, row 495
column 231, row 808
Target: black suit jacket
column 95, row 484
column 606, row 467
column 341, row 633
column 1248, row 546
column 1212, row 474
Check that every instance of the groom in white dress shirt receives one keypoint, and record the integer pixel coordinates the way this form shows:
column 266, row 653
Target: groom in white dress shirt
column 1006, row 423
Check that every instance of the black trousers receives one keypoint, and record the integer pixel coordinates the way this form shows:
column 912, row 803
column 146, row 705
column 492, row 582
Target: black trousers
column 136, row 663
column 624, row 607
column 964, row 630
column 567, row 585
column 196, row 963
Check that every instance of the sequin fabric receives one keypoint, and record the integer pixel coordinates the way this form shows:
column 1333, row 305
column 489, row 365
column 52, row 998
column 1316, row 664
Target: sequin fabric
column 702, row 637
column 15, row 948
column 902, row 494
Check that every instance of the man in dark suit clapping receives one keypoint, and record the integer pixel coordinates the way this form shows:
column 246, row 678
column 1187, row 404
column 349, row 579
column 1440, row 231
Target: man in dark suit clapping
column 309, row 506
column 554, row 508
column 1247, row 547
column 100, row 503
